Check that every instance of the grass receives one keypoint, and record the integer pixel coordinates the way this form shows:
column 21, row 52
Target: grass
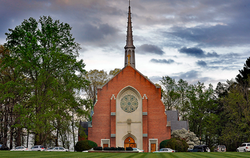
column 34, row 154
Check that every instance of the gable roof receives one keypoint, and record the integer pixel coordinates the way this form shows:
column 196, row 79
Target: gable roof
column 136, row 71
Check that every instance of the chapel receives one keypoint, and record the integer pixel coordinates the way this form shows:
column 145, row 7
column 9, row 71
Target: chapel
column 129, row 111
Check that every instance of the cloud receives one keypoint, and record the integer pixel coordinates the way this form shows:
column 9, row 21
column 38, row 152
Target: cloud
column 155, row 78
column 201, row 63
column 162, row 61
column 192, row 77
column 228, row 34
column 197, row 52
column 149, row 49
column 92, row 33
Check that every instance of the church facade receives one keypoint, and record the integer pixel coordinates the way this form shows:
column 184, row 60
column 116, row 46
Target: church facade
column 129, row 111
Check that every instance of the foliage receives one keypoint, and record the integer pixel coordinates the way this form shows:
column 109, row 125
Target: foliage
column 177, row 144
column 233, row 109
column 84, row 145
column 10, row 94
column 97, row 79
column 98, row 148
column 196, row 103
column 164, row 143
column 237, row 110
column 129, row 149
column 200, row 110
column 48, row 77
column 186, row 135
column 242, row 77
column 174, row 94
column 114, row 72
column 170, row 95
column 116, row 148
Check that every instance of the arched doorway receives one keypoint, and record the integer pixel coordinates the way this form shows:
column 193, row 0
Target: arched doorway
column 129, row 142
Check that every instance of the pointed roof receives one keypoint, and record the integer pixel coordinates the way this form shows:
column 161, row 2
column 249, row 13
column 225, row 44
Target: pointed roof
column 156, row 86
column 129, row 42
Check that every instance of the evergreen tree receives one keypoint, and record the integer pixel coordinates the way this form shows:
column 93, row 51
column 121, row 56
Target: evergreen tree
column 242, row 77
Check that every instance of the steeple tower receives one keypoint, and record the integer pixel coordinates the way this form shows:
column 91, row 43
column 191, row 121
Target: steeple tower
column 129, row 48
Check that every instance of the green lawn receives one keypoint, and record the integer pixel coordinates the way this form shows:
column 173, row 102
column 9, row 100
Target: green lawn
column 33, row 154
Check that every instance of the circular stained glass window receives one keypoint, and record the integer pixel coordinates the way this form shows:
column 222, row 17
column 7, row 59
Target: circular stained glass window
column 129, row 103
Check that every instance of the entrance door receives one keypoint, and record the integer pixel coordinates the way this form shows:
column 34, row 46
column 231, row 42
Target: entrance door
column 129, row 142
column 105, row 145
column 153, row 147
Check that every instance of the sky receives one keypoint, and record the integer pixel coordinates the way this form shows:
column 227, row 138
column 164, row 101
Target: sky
column 193, row 40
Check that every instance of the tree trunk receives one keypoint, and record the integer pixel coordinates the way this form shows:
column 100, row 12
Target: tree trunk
column 57, row 135
column 28, row 134
column 5, row 130
column 73, row 131
column 11, row 137
column 18, row 137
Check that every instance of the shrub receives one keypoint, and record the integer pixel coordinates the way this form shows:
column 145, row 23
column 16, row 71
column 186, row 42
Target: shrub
column 107, row 148
column 129, row 148
column 97, row 148
column 120, row 148
column 85, row 145
column 175, row 143
column 164, row 143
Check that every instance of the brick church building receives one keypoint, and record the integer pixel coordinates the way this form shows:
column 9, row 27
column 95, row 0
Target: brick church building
column 129, row 111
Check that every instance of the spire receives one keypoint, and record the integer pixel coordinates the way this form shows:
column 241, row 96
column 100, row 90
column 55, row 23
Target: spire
column 129, row 48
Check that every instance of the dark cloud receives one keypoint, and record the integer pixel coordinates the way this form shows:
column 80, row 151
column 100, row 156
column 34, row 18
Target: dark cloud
column 201, row 63
column 95, row 34
column 100, row 25
column 231, row 34
column 192, row 77
column 197, row 52
column 162, row 61
column 149, row 49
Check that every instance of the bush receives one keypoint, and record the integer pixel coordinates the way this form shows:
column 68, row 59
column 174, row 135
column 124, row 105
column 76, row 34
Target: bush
column 164, row 143
column 114, row 148
column 120, row 148
column 175, row 143
column 97, row 148
column 129, row 148
column 85, row 145
column 107, row 148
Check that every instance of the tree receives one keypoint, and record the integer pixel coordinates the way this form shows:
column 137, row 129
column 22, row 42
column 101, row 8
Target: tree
column 9, row 96
column 242, row 77
column 114, row 72
column 97, row 79
column 170, row 96
column 182, row 89
column 195, row 103
column 237, row 112
column 45, row 52
column 200, row 108
column 174, row 94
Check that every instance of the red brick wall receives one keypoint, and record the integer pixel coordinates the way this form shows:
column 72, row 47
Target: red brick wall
column 154, row 124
